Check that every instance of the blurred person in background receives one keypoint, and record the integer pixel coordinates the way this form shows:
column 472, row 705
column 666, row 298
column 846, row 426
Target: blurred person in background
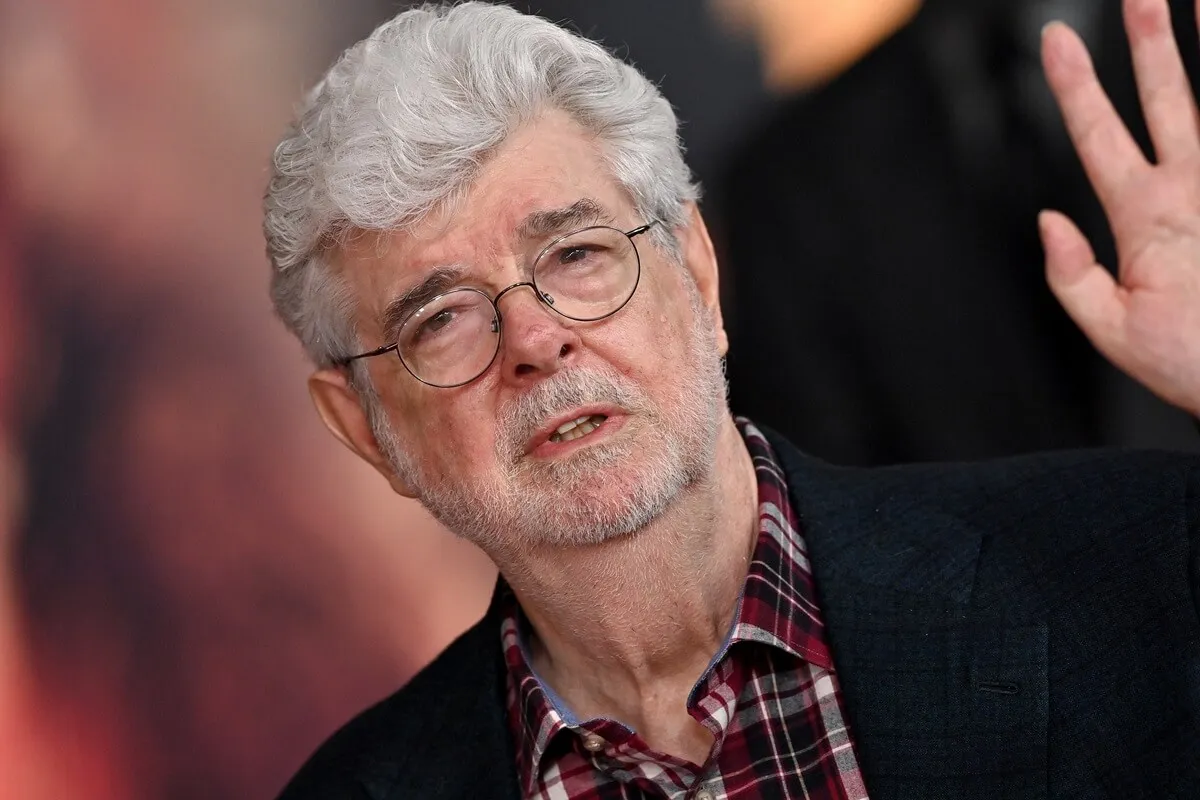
column 190, row 596
column 879, row 231
column 27, row 766
column 12, row 327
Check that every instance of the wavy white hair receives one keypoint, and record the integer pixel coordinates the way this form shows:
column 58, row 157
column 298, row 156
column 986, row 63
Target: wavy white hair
column 406, row 118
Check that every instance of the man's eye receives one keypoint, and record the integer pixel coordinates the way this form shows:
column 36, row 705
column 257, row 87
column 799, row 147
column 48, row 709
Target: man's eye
column 440, row 320
column 435, row 323
column 577, row 253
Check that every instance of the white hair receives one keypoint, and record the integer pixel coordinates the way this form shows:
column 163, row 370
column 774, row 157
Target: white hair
column 403, row 122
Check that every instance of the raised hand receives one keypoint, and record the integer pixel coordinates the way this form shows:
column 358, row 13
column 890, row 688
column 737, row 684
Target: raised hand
column 1147, row 321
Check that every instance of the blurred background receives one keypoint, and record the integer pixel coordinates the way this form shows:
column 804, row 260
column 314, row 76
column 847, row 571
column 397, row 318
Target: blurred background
column 197, row 585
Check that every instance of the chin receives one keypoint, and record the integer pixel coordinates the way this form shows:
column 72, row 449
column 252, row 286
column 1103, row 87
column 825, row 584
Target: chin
column 596, row 504
column 589, row 525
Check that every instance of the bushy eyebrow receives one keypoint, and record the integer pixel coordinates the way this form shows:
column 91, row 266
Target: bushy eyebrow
column 440, row 281
column 556, row 221
column 536, row 226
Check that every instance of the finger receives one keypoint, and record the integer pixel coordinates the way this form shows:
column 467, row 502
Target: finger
column 1109, row 154
column 1167, row 101
column 1088, row 292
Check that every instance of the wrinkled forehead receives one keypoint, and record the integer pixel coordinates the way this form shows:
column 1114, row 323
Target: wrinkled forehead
column 548, row 178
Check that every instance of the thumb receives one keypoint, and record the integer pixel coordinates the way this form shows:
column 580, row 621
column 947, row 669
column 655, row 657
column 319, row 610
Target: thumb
column 1088, row 292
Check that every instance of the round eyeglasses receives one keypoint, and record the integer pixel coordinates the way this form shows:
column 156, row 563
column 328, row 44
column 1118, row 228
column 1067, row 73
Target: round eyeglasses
column 585, row 276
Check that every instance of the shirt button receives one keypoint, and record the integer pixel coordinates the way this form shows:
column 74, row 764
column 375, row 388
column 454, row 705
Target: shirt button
column 705, row 794
column 594, row 744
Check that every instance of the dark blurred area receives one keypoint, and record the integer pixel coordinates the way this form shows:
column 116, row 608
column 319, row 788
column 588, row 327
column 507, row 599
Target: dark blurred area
column 883, row 254
column 197, row 585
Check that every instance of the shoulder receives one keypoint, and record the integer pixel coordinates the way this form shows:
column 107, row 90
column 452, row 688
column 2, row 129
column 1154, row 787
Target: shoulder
column 1113, row 485
column 1086, row 482
column 1042, row 499
column 1073, row 477
column 1092, row 500
column 1067, row 516
column 415, row 739
column 1035, row 535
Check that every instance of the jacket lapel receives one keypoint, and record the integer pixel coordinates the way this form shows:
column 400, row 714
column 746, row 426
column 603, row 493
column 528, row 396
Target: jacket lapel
column 945, row 699
column 467, row 752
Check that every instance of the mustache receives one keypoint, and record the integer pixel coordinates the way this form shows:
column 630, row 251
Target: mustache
column 522, row 417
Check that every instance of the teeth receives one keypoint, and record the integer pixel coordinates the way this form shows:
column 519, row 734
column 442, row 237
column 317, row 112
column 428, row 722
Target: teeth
column 577, row 428
column 566, row 426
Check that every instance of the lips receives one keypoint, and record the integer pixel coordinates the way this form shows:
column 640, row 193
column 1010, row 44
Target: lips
column 571, row 425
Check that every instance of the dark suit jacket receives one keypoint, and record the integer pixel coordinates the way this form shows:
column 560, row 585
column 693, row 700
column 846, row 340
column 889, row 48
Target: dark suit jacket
column 1027, row 628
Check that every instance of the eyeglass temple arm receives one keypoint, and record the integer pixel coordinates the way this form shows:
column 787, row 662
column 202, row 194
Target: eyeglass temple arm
column 345, row 362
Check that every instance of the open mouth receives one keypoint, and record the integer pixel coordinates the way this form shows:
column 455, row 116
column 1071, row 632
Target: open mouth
column 577, row 428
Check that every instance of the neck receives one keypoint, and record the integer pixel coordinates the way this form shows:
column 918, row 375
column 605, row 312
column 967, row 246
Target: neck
column 616, row 625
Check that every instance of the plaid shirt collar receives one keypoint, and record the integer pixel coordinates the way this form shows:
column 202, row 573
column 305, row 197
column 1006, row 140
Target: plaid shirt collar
column 777, row 608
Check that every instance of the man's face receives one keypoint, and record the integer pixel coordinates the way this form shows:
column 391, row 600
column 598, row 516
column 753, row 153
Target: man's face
column 486, row 457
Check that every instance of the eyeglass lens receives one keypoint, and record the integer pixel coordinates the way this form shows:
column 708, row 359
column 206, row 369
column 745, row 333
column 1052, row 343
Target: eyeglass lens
column 584, row 276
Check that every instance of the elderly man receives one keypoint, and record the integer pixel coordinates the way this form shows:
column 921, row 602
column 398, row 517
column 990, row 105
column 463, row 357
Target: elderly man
column 484, row 234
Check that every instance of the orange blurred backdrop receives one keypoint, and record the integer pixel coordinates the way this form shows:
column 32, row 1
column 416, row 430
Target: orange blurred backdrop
column 197, row 584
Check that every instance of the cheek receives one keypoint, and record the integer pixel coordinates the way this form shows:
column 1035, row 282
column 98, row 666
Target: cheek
column 663, row 322
column 452, row 439
column 648, row 341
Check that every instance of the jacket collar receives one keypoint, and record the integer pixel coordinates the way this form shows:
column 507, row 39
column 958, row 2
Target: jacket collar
column 939, row 691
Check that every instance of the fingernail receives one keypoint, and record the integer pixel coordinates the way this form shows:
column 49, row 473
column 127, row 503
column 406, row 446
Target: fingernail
column 1051, row 24
column 1043, row 220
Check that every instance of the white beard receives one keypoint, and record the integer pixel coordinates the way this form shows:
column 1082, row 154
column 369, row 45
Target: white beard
column 603, row 491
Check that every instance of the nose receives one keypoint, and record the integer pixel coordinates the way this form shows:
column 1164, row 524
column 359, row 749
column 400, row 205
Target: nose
column 536, row 341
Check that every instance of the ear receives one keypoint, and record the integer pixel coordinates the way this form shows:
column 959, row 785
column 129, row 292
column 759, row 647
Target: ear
column 341, row 410
column 701, row 261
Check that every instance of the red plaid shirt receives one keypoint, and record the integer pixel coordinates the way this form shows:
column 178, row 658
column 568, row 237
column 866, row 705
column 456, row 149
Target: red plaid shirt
column 770, row 695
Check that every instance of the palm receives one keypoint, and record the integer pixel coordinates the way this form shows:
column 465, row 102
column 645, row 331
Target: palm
column 1147, row 321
